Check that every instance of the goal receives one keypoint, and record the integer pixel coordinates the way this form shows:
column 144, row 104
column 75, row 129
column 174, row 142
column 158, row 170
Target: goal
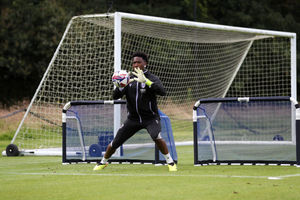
column 251, row 130
column 193, row 60
column 89, row 126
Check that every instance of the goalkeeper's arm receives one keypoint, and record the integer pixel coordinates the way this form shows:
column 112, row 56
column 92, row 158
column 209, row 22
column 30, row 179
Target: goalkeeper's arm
column 157, row 86
column 118, row 93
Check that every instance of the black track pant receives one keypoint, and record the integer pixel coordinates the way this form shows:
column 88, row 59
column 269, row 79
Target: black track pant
column 130, row 127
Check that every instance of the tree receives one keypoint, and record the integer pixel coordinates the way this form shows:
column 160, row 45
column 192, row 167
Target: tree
column 30, row 30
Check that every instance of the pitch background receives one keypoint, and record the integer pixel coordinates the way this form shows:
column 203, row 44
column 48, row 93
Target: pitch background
column 46, row 178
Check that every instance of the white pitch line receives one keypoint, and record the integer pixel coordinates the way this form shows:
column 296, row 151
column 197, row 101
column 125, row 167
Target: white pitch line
column 153, row 175
column 288, row 175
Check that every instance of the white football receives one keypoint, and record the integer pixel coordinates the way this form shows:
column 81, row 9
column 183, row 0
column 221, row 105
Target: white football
column 120, row 78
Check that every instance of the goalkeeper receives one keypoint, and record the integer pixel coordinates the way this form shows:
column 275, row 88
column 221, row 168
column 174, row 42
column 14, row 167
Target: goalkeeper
column 142, row 108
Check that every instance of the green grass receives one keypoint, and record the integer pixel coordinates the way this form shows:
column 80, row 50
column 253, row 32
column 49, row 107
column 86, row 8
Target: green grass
column 46, row 178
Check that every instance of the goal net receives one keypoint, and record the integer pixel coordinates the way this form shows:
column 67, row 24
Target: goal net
column 245, row 130
column 88, row 128
column 193, row 60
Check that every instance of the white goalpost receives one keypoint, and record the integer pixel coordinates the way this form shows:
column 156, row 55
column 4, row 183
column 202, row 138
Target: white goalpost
column 193, row 60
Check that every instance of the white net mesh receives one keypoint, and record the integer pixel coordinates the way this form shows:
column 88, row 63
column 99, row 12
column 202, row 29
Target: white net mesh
column 191, row 62
column 81, row 71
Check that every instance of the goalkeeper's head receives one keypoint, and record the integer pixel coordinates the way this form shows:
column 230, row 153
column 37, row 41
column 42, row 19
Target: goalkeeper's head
column 139, row 60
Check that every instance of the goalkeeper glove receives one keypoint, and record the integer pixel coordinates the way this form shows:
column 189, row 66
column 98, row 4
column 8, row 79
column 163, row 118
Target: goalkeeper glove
column 140, row 77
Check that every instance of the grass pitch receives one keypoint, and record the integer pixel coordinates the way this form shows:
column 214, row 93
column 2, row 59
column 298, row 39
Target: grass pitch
column 46, row 178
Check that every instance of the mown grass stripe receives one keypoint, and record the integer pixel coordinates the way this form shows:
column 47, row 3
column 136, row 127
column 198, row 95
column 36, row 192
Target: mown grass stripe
column 153, row 175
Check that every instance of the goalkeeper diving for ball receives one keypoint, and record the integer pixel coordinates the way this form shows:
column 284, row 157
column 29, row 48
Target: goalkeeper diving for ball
column 140, row 94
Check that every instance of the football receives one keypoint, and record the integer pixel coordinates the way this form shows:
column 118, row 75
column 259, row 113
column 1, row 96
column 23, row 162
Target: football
column 120, row 78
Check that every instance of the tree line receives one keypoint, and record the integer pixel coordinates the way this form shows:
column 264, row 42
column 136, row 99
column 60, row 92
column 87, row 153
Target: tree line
column 30, row 30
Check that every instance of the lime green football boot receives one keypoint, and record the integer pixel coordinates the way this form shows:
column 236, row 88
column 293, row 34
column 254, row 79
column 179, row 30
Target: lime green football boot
column 172, row 167
column 100, row 166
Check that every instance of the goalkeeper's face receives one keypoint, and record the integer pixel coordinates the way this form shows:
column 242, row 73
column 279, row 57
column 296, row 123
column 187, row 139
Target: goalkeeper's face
column 138, row 62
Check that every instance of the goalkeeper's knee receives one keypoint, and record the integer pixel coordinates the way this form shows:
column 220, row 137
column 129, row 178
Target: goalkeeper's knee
column 158, row 137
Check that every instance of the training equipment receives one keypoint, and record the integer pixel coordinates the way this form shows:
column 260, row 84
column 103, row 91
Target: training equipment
column 12, row 150
column 245, row 131
column 141, row 77
column 193, row 60
column 89, row 126
column 120, row 78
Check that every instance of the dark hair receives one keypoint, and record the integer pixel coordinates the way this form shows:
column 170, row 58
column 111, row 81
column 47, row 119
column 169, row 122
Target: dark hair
column 140, row 54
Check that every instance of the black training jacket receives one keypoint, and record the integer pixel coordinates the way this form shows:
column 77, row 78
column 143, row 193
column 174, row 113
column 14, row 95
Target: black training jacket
column 141, row 99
